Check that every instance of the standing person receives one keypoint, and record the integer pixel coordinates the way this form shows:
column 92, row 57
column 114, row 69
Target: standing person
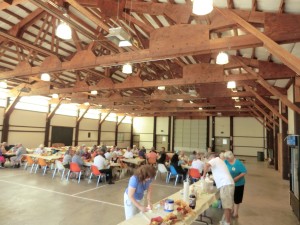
column 238, row 172
column 224, row 182
column 138, row 184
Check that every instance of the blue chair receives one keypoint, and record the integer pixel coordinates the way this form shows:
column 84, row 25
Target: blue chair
column 173, row 173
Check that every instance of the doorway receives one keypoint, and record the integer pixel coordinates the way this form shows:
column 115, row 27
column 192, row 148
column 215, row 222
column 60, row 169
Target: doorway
column 62, row 135
column 222, row 144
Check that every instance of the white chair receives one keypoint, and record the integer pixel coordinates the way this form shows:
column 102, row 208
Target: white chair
column 161, row 168
column 59, row 167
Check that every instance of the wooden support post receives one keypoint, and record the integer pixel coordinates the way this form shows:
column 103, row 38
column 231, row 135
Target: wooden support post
column 154, row 131
column 8, row 111
column 275, row 140
column 131, row 132
column 169, row 132
column 117, row 129
column 100, row 126
column 262, row 100
column 173, row 136
column 48, row 121
column 213, row 142
column 231, row 133
column 78, row 124
column 207, row 132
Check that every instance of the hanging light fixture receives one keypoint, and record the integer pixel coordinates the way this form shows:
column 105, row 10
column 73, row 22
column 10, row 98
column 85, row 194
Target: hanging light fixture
column 191, row 102
column 222, row 58
column 55, row 96
column 63, row 31
column 45, row 77
column 202, row 7
column 3, row 84
column 127, row 68
column 179, row 99
column 162, row 88
column 200, row 108
column 231, row 84
column 94, row 92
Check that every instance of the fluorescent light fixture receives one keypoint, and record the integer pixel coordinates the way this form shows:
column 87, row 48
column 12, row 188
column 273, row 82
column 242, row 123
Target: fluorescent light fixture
column 45, row 77
column 202, row 7
column 119, row 36
column 3, row 84
column 231, row 84
column 94, row 92
column 219, row 114
column 200, row 108
column 55, row 96
column 127, row 68
column 63, row 31
column 162, row 88
column 179, row 99
column 125, row 43
column 222, row 58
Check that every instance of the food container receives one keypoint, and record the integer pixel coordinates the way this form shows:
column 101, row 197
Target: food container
column 169, row 205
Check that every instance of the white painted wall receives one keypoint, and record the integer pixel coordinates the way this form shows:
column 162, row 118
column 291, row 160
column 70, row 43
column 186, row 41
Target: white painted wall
column 222, row 126
column 124, row 132
column 248, row 136
column 190, row 135
column 143, row 127
column 108, row 133
column 86, row 127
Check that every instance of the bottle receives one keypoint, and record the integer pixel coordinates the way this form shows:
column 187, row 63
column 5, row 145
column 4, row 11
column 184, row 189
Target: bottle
column 192, row 201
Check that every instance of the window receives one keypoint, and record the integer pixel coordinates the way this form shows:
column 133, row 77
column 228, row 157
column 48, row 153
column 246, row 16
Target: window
column 66, row 109
column 92, row 114
column 33, row 103
column 111, row 117
column 3, row 97
column 126, row 120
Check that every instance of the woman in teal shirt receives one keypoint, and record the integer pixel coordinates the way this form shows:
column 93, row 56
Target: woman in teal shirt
column 238, row 172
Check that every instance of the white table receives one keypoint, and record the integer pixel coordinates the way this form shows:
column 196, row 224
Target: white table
column 135, row 161
column 45, row 157
column 203, row 203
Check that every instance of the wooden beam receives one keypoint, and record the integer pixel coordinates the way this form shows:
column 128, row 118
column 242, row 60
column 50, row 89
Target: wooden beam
column 52, row 113
column 286, row 57
column 247, row 88
column 271, row 89
column 102, row 120
column 263, row 119
column 119, row 122
column 78, row 124
column 263, row 112
column 259, row 121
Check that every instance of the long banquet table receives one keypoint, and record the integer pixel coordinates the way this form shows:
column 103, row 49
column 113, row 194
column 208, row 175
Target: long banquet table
column 46, row 157
column 203, row 202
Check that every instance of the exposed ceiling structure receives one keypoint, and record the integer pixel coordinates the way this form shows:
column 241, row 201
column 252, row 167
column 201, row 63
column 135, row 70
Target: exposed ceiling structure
column 172, row 47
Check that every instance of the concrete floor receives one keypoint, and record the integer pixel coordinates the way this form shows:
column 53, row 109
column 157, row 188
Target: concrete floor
column 33, row 199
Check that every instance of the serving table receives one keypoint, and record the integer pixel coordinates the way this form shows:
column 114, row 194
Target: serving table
column 203, row 202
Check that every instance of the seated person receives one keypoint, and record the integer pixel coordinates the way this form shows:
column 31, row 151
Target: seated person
column 198, row 164
column 108, row 155
column 86, row 155
column 176, row 165
column 135, row 149
column 20, row 151
column 183, row 159
column 128, row 154
column 81, row 149
column 114, row 158
column 67, row 159
column 152, row 156
column 193, row 156
column 77, row 159
column 142, row 153
column 119, row 152
column 102, row 165
column 40, row 150
column 163, row 156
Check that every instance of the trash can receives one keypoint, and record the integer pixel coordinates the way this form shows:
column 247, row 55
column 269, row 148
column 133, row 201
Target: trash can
column 260, row 156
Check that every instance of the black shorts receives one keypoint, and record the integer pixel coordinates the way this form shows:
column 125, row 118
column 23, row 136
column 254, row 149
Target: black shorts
column 238, row 194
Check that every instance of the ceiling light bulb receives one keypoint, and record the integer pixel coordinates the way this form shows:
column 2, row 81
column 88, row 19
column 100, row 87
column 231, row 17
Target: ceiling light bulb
column 3, row 84
column 63, row 31
column 191, row 102
column 222, row 58
column 202, row 7
column 45, row 77
column 125, row 43
column 180, row 99
column 200, row 108
column 231, row 84
column 162, row 88
column 127, row 68
column 55, row 96
column 94, row 92
column 237, row 106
